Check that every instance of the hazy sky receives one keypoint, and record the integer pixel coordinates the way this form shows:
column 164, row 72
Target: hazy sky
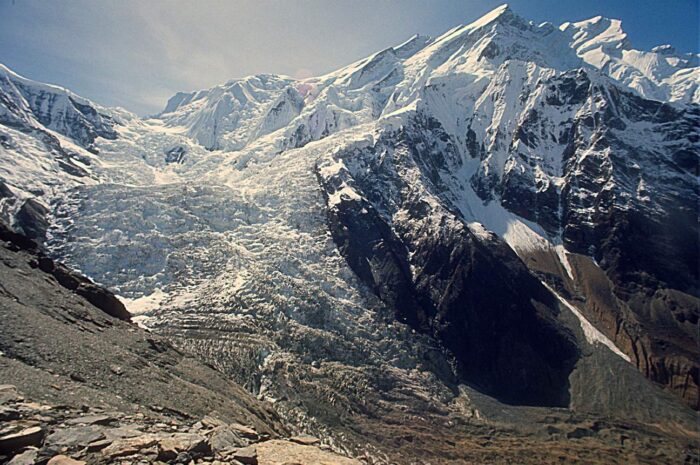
column 136, row 54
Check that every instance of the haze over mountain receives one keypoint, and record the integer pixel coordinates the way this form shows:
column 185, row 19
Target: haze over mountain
column 480, row 246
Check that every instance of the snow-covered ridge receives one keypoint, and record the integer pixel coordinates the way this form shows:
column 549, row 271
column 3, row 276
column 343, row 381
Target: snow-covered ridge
column 27, row 95
column 516, row 88
column 233, row 115
column 230, row 115
column 660, row 74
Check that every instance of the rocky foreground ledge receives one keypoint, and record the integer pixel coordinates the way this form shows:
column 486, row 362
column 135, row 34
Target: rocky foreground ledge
column 36, row 433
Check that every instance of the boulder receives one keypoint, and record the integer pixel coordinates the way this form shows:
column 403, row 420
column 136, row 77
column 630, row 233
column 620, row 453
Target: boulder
column 223, row 438
column 8, row 413
column 305, row 440
column 122, row 432
column 92, row 420
column 32, row 436
column 247, row 455
column 129, row 446
column 64, row 460
column 8, row 394
column 31, row 219
column 28, row 457
column 33, row 407
column 176, row 443
column 75, row 436
column 96, row 446
column 244, row 431
column 210, row 421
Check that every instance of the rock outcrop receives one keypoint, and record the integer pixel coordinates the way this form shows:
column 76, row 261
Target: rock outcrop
column 96, row 295
column 425, row 263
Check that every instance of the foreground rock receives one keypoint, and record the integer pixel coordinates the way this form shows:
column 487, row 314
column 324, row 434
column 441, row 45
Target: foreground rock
column 278, row 452
column 28, row 457
column 64, row 460
column 18, row 441
column 246, row 455
column 305, row 440
column 62, row 435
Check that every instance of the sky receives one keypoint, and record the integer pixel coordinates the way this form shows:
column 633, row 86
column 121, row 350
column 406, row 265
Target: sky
column 136, row 54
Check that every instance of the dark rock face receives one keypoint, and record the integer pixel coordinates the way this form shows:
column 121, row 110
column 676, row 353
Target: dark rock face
column 81, row 122
column 642, row 226
column 5, row 191
column 647, row 245
column 657, row 328
column 628, row 201
column 16, row 240
column 31, row 219
column 476, row 298
column 175, row 154
column 96, row 295
column 495, row 317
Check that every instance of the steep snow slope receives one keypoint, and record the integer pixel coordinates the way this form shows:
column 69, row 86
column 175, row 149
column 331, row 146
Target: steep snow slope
column 49, row 144
column 27, row 102
column 47, row 137
column 229, row 116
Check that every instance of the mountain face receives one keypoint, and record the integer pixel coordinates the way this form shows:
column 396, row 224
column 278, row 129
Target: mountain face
column 460, row 227
column 431, row 269
column 27, row 104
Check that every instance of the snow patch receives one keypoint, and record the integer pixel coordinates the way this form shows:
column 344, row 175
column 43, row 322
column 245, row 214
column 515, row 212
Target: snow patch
column 522, row 238
column 564, row 259
column 593, row 336
column 345, row 192
column 144, row 304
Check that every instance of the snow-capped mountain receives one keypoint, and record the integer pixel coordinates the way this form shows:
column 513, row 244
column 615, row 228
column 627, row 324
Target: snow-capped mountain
column 232, row 115
column 659, row 74
column 28, row 103
column 506, row 211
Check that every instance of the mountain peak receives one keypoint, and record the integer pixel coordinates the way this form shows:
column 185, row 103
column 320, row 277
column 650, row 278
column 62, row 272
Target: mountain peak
column 500, row 18
column 665, row 49
column 412, row 45
column 595, row 32
column 493, row 15
column 502, row 14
